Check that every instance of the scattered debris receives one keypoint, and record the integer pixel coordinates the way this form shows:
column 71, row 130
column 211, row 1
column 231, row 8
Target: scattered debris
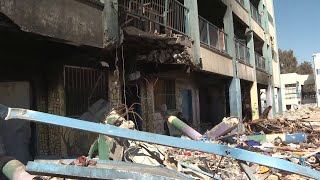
column 161, row 48
column 83, row 161
column 291, row 140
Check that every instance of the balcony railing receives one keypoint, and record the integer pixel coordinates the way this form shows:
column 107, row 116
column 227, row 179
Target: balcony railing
column 260, row 62
column 212, row 36
column 255, row 14
column 241, row 2
column 242, row 52
column 155, row 14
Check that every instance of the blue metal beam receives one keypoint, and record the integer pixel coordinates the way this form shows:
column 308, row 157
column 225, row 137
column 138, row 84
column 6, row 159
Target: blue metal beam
column 113, row 131
column 105, row 170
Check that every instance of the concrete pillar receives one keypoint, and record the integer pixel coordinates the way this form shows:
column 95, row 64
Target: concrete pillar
column 254, row 88
column 110, row 23
column 267, row 54
column 193, row 28
column 280, row 101
column 234, row 88
column 271, row 101
column 254, row 100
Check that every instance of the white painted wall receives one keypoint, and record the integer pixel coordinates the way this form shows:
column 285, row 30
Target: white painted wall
column 299, row 80
column 316, row 62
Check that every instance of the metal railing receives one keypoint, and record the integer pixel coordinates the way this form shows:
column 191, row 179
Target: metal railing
column 83, row 87
column 255, row 14
column 242, row 51
column 212, row 36
column 260, row 62
column 156, row 14
column 241, row 2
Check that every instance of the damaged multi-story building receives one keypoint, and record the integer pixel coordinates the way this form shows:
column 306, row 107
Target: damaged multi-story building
column 202, row 60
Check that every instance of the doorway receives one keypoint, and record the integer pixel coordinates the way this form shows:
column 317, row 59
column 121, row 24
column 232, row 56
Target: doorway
column 187, row 105
column 16, row 133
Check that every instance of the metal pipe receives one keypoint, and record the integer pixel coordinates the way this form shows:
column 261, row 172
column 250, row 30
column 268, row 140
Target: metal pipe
column 187, row 130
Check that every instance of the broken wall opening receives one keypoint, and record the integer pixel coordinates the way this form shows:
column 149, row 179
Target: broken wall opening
column 241, row 40
column 262, row 98
column 246, row 99
column 240, row 28
column 214, row 15
column 258, row 45
column 213, row 100
column 133, row 99
column 167, row 91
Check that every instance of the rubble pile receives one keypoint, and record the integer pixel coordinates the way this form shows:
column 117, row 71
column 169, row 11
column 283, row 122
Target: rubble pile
column 286, row 137
column 306, row 119
column 177, row 49
column 292, row 137
column 161, row 48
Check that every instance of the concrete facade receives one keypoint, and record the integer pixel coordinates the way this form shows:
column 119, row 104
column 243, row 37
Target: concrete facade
column 291, row 86
column 256, row 20
column 206, row 78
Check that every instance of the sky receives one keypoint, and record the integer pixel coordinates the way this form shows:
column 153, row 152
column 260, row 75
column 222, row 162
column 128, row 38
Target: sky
column 298, row 27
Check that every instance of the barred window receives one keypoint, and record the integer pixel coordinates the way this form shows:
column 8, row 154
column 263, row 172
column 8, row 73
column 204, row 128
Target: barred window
column 165, row 94
column 83, row 87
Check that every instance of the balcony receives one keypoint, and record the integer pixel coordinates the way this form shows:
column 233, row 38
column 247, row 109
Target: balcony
column 212, row 36
column 260, row 62
column 154, row 15
column 242, row 52
column 255, row 14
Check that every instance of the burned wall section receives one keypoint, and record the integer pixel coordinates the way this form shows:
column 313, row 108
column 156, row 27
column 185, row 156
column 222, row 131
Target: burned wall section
column 213, row 99
column 246, row 99
column 146, row 89
column 157, row 53
column 187, row 99
column 56, row 105
column 159, row 48
column 79, row 22
column 40, row 61
column 115, row 90
column 167, row 94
